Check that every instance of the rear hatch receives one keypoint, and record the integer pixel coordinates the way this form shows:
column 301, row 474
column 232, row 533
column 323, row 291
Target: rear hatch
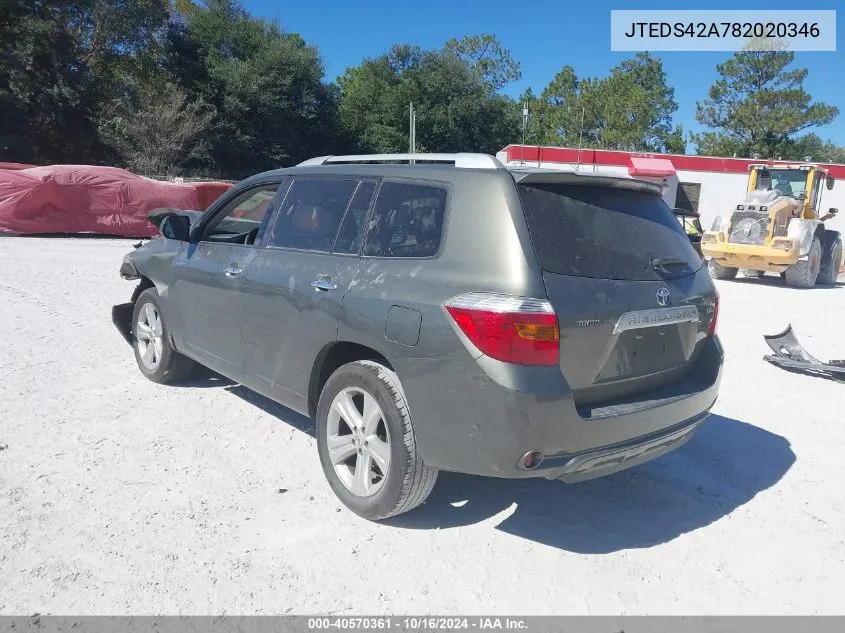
column 632, row 299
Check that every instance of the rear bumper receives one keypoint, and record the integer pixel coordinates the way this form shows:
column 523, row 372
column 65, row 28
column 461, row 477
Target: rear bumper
column 483, row 422
column 609, row 460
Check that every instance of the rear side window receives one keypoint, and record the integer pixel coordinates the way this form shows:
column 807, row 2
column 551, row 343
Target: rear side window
column 311, row 213
column 605, row 232
column 407, row 221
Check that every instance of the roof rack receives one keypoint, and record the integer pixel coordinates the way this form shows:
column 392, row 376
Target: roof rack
column 461, row 160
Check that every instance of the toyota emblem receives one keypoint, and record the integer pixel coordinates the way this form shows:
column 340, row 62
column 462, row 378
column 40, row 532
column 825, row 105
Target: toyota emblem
column 663, row 296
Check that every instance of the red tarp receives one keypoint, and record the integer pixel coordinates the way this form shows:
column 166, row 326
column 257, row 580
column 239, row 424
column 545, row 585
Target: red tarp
column 88, row 199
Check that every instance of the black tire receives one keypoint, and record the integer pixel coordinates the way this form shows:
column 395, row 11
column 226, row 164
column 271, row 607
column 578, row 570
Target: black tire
column 171, row 365
column 754, row 274
column 408, row 482
column 717, row 271
column 804, row 274
column 831, row 263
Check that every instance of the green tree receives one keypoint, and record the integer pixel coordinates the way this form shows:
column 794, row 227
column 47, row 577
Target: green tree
column 757, row 106
column 631, row 109
column 60, row 61
column 456, row 108
column 487, row 58
column 119, row 38
column 558, row 114
column 652, row 103
column 267, row 86
column 44, row 90
column 156, row 130
column 819, row 151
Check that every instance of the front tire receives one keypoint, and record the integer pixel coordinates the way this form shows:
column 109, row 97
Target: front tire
column 717, row 271
column 829, row 272
column 805, row 273
column 366, row 442
column 156, row 359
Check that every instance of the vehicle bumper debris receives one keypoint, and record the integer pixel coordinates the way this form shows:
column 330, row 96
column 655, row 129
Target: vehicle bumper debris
column 121, row 316
column 791, row 355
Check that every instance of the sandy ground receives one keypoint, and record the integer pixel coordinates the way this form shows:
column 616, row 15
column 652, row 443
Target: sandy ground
column 119, row 496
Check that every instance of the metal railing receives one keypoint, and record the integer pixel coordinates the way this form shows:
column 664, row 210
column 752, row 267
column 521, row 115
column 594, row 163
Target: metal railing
column 460, row 160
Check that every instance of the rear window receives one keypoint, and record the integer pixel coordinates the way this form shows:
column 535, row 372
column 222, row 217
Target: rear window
column 407, row 221
column 605, row 232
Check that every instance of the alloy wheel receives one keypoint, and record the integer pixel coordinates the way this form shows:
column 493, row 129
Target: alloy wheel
column 149, row 336
column 358, row 441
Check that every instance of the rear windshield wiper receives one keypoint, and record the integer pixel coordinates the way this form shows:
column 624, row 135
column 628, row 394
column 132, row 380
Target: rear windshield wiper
column 660, row 263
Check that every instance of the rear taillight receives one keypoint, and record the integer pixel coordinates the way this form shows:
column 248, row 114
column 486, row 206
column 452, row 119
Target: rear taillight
column 712, row 329
column 511, row 329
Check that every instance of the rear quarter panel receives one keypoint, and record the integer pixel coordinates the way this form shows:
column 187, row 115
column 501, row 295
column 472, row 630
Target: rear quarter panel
column 483, row 250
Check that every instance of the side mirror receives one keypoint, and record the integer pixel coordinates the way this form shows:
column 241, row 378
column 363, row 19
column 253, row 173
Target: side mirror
column 176, row 227
column 832, row 211
column 829, row 182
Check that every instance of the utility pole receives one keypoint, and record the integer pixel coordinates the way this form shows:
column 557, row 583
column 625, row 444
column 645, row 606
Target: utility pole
column 412, row 130
column 524, row 124
column 580, row 137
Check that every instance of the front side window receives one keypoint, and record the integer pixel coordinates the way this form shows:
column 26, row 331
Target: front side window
column 407, row 220
column 243, row 218
column 311, row 213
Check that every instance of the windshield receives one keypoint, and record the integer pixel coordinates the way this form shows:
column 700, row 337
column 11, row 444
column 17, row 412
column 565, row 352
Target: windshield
column 790, row 182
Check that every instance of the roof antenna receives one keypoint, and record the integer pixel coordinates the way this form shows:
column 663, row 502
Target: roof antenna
column 580, row 136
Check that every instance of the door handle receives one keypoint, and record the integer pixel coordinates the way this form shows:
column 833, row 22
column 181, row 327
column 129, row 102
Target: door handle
column 233, row 271
column 323, row 283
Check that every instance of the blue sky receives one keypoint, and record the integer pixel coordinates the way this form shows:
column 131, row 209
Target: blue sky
column 543, row 36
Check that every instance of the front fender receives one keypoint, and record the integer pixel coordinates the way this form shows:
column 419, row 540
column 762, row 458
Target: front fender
column 803, row 231
column 153, row 262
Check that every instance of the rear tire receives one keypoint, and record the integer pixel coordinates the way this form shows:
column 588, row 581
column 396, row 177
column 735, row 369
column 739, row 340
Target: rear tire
column 832, row 262
column 754, row 274
column 379, row 426
column 156, row 359
column 717, row 271
column 805, row 273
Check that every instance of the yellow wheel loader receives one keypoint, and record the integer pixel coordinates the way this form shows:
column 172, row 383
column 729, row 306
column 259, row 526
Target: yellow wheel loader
column 778, row 228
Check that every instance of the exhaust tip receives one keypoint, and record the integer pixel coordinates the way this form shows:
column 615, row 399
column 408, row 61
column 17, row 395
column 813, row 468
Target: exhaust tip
column 531, row 460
